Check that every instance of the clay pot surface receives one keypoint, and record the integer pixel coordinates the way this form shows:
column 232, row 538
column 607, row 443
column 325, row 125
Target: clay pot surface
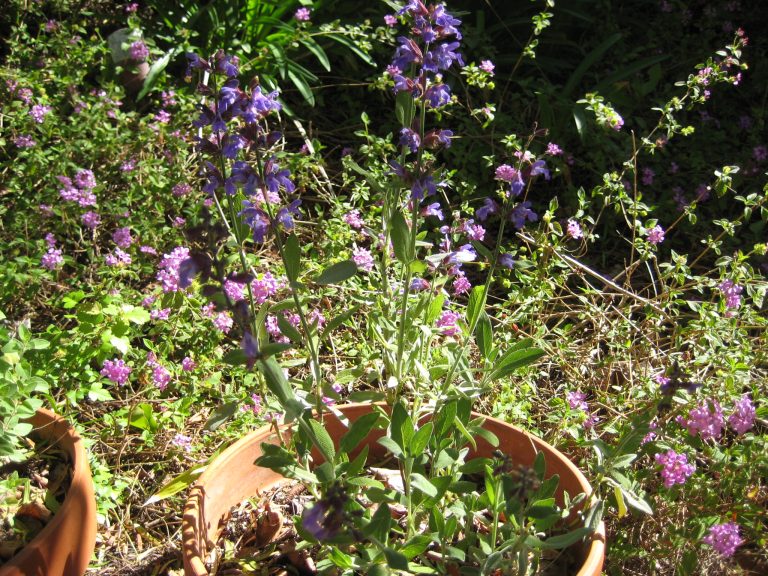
column 233, row 477
column 64, row 547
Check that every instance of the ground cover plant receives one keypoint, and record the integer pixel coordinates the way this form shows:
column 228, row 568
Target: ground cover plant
column 602, row 194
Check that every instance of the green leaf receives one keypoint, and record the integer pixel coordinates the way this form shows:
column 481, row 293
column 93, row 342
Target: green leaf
column 380, row 523
column 278, row 385
column 416, row 546
column 391, row 445
column 121, row 343
column 136, row 315
column 484, row 335
column 594, row 515
column 565, row 540
column 401, row 238
column 420, row 482
column 300, row 82
column 420, row 440
column 221, row 415
column 143, row 418
column 154, row 71
column 475, row 305
column 359, row 429
column 337, row 273
column 405, row 109
column 292, row 262
column 623, row 461
column 401, row 427
column 349, row 44
column 38, row 344
column 636, row 501
column 235, row 357
column 288, row 329
column 587, row 63
column 515, row 359
column 395, row 560
column 272, row 348
column 338, row 320
column 179, row 483
column 325, row 473
column 319, row 53
column 486, row 435
column 322, row 440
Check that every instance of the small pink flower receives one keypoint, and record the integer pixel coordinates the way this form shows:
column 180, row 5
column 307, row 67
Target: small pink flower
column 303, row 14
column 182, row 441
column 353, row 219
column 706, row 420
column 447, row 323
column 390, row 20
column 223, row 322
column 162, row 314
column 461, row 285
column 506, row 173
column 52, row 259
column 39, row 112
column 743, row 417
column 574, row 230
column 487, row 66
column 138, row 51
column 656, row 235
column 553, row 149
column 161, row 377
column 362, row 258
column 577, row 401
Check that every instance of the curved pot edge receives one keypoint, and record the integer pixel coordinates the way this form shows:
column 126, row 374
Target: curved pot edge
column 50, row 551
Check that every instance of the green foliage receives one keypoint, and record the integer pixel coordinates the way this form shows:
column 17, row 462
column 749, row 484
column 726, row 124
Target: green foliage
column 20, row 387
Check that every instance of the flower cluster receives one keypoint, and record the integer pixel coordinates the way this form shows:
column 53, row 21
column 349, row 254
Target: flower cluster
column 138, row 51
column 656, row 235
column 708, row 422
column 675, row 467
column 169, row 269
column 578, row 401
column 732, row 293
column 116, row 371
column 743, row 416
column 53, row 258
column 724, row 538
column 705, row 420
column 81, row 190
column 238, row 122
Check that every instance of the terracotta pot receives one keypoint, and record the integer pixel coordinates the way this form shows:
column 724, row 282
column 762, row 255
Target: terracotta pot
column 134, row 73
column 64, row 547
column 233, row 477
column 132, row 77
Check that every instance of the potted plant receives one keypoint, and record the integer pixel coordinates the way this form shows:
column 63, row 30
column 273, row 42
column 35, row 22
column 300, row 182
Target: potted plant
column 65, row 544
column 232, row 477
column 476, row 495
column 129, row 51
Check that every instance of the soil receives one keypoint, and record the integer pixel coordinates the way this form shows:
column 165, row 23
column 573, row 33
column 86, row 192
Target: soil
column 259, row 536
column 31, row 492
